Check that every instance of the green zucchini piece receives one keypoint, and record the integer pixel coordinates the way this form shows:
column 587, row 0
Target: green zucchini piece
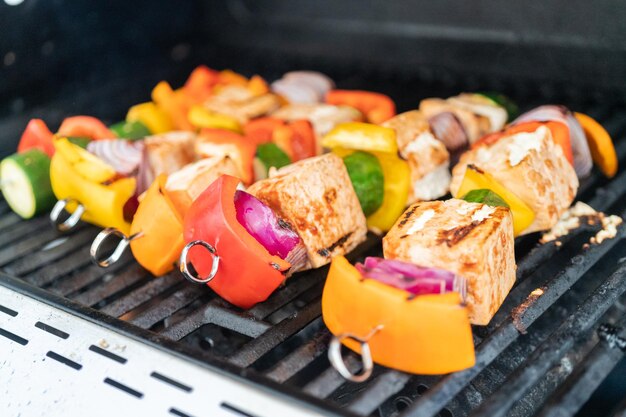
column 485, row 196
column 25, row 179
column 130, row 130
column 366, row 175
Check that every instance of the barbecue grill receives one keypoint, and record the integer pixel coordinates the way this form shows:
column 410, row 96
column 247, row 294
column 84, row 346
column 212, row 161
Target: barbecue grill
column 79, row 339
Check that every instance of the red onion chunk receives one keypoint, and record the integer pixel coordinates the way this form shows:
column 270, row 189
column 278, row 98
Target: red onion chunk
column 260, row 221
column 583, row 162
column 145, row 176
column 124, row 156
column 412, row 278
column 447, row 128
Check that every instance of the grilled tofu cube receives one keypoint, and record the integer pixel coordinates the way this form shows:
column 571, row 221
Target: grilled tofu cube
column 532, row 167
column 427, row 157
column 169, row 152
column 316, row 197
column 240, row 103
column 470, row 239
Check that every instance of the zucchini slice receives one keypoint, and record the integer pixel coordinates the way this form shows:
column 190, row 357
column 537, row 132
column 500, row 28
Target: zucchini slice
column 25, row 179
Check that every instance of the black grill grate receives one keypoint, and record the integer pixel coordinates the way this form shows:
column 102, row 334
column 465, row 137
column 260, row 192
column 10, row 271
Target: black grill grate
column 555, row 366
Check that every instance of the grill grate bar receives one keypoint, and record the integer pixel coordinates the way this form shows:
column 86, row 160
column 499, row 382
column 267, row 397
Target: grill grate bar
column 132, row 275
column 30, row 263
column 444, row 390
column 26, row 246
column 300, row 358
column 256, row 348
column 190, row 323
column 386, row 385
column 17, row 230
column 587, row 376
column 167, row 307
column 86, row 277
column 58, row 269
column 330, row 380
column 8, row 220
column 620, row 410
column 141, row 295
column 554, row 348
column 220, row 313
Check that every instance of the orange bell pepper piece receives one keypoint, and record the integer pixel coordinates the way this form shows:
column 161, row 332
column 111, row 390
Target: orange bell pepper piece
column 232, row 78
column 166, row 99
column 85, row 127
column 258, row 86
column 236, row 146
column 161, row 228
column 199, row 85
column 303, row 142
column 600, row 145
column 376, row 107
column 429, row 334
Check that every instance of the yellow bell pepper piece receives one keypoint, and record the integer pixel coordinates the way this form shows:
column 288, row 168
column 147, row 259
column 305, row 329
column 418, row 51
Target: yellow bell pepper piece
column 396, row 189
column 258, row 86
column 166, row 99
column 90, row 166
column 397, row 184
column 230, row 77
column 155, row 119
column 73, row 178
column 200, row 117
column 362, row 136
column 476, row 179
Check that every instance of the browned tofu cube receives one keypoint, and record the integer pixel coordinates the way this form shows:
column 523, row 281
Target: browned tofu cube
column 169, row 152
column 470, row 239
column 532, row 167
column 316, row 197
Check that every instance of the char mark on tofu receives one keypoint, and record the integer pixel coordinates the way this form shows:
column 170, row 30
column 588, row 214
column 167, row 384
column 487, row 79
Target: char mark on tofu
column 285, row 224
column 475, row 168
column 339, row 243
column 407, row 216
column 453, row 236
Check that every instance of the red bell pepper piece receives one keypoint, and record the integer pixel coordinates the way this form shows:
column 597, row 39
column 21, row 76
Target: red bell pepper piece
column 238, row 147
column 36, row 135
column 376, row 107
column 247, row 273
column 85, row 127
column 303, row 142
column 199, row 85
column 260, row 130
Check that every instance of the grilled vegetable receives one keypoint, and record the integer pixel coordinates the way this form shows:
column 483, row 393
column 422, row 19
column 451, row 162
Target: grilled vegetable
column 200, row 117
column 247, row 274
column 269, row 155
column 78, row 175
column 485, row 196
column 122, row 155
column 172, row 104
column 412, row 278
column 82, row 142
column 130, row 130
column 25, row 179
column 449, row 130
column 375, row 106
column 475, row 179
column 367, row 178
column 161, row 228
column 86, row 127
column 381, row 142
column 151, row 116
column 36, row 135
column 199, row 85
column 427, row 334
column 361, row 136
column 600, row 145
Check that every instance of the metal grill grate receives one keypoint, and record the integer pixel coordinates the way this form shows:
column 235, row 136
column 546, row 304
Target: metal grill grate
column 282, row 342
